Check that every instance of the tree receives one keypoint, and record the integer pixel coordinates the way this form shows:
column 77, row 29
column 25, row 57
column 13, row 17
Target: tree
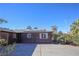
column 60, row 33
column 35, row 28
column 54, row 29
column 60, row 36
column 29, row 27
column 2, row 21
column 74, row 29
column 54, row 33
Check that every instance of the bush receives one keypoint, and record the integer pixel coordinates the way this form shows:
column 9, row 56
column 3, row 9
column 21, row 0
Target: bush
column 60, row 39
column 3, row 42
column 55, row 36
column 11, row 41
column 65, row 39
column 6, row 50
column 76, row 40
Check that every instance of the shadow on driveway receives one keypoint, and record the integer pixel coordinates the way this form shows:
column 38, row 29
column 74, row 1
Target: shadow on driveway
column 23, row 50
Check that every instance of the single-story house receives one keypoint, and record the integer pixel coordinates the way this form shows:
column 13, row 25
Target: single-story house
column 27, row 36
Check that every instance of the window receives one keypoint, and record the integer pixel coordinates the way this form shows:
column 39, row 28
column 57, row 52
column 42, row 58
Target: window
column 43, row 35
column 28, row 35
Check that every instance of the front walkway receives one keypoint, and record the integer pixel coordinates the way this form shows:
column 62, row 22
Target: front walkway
column 45, row 50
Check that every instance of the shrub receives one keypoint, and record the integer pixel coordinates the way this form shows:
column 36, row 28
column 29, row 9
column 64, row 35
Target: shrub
column 76, row 40
column 60, row 39
column 6, row 50
column 3, row 42
column 11, row 41
column 65, row 39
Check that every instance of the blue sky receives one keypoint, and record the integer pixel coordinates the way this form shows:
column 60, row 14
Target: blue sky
column 39, row 15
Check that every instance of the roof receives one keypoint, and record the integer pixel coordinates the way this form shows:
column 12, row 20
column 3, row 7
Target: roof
column 24, row 30
column 28, row 31
column 6, row 29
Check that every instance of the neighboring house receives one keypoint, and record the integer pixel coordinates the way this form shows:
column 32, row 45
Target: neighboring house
column 27, row 36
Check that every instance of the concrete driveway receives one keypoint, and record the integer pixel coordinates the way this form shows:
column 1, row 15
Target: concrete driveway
column 56, row 50
column 45, row 50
